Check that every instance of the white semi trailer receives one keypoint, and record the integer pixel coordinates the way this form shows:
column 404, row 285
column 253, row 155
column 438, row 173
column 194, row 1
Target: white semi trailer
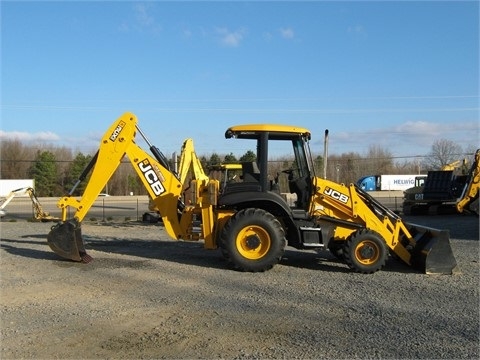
column 390, row 182
column 9, row 185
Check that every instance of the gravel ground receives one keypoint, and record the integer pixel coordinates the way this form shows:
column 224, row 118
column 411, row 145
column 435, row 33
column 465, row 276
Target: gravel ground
column 146, row 296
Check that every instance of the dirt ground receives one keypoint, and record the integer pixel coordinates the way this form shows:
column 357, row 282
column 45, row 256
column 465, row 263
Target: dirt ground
column 148, row 297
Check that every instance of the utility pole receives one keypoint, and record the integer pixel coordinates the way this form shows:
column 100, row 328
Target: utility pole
column 325, row 154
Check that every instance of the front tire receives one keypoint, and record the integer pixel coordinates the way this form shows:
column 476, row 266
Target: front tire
column 365, row 252
column 252, row 240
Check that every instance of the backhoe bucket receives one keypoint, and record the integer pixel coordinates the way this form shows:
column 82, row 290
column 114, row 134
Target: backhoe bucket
column 65, row 239
column 432, row 253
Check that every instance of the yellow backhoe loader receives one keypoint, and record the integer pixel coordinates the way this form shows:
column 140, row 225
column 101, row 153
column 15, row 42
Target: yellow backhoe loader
column 249, row 221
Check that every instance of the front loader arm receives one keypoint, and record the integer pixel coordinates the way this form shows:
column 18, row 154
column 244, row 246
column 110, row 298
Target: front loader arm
column 351, row 204
column 345, row 206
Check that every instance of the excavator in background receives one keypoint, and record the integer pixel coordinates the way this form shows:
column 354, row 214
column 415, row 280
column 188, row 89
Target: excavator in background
column 445, row 192
column 457, row 164
column 39, row 213
column 249, row 221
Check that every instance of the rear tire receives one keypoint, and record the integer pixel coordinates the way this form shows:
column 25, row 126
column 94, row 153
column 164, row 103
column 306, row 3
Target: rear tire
column 365, row 252
column 252, row 240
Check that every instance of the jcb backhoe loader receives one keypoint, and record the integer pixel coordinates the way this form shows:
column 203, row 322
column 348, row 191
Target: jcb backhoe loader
column 250, row 221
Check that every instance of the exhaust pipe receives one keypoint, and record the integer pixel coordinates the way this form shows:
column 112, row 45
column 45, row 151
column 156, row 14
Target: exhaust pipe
column 65, row 240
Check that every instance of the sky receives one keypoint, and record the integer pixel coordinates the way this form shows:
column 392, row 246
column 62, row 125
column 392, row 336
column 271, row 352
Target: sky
column 398, row 75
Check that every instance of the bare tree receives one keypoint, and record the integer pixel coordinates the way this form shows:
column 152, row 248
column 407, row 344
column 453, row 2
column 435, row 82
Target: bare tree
column 443, row 152
column 380, row 160
column 16, row 159
column 407, row 167
column 471, row 149
column 344, row 168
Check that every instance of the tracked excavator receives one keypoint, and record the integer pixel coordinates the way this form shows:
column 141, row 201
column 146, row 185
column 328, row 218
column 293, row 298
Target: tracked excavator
column 249, row 221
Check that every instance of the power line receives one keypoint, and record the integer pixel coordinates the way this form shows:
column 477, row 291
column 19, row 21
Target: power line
column 282, row 99
column 250, row 110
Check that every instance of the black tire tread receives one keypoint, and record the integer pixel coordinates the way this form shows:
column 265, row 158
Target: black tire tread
column 253, row 215
column 349, row 249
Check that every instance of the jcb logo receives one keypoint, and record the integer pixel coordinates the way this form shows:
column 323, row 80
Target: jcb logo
column 336, row 195
column 151, row 176
column 117, row 131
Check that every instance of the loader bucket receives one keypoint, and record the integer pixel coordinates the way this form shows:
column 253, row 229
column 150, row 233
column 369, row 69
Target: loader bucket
column 65, row 239
column 432, row 253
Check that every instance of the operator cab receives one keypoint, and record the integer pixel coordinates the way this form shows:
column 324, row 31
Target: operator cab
column 258, row 176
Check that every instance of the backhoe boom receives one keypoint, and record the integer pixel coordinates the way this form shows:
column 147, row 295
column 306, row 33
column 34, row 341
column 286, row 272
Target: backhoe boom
column 117, row 143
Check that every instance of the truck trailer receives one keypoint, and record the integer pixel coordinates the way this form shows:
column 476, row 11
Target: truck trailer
column 9, row 185
column 390, row 182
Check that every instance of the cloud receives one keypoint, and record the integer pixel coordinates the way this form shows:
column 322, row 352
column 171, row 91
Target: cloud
column 358, row 31
column 409, row 138
column 267, row 36
column 187, row 33
column 231, row 38
column 123, row 27
column 435, row 129
column 142, row 20
column 287, row 33
column 29, row 137
column 418, row 128
column 142, row 15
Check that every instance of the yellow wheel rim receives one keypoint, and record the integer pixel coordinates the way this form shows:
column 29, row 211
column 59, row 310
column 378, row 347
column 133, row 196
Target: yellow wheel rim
column 367, row 252
column 253, row 242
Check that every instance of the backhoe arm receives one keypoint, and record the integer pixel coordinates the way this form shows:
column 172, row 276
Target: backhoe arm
column 190, row 160
column 469, row 198
column 118, row 142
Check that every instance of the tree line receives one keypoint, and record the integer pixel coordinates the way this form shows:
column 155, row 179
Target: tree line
column 57, row 169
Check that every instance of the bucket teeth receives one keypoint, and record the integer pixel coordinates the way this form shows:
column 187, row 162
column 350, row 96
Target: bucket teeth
column 86, row 258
